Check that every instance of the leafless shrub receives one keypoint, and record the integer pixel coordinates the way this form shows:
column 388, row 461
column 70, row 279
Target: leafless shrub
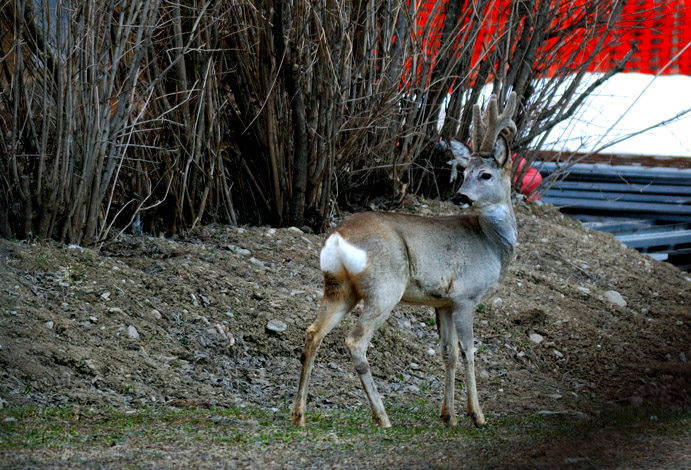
column 157, row 116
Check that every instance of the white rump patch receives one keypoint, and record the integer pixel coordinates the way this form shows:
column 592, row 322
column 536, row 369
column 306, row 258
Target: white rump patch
column 338, row 254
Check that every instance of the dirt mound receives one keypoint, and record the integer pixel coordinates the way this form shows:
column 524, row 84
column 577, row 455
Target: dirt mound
column 578, row 323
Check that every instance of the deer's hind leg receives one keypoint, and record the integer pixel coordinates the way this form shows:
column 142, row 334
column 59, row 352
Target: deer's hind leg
column 339, row 299
column 376, row 311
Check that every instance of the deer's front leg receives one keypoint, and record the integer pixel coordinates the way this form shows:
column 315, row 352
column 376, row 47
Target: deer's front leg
column 449, row 353
column 464, row 326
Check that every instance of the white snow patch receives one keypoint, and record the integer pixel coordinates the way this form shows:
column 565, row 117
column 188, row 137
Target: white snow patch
column 616, row 117
column 338, row 253
column 630, row 114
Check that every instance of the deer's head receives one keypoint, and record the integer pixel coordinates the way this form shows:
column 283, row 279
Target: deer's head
column 487, row 173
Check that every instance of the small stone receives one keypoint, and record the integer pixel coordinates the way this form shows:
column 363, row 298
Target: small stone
column 105, row 295
column 682, row 357
column 431, row 352
column 155, row 314
column 49, row 325
column 93, row 319
column 636, row 401
column 484, row 374
column 557, row 353
column 414, row 366
column 132, row 332
column 615, row 298
column 497, row 302
column 536, row 338
column 10, row 420
column 296, row 230
column 240, row 251
column 276, row 327
column 583, row 290
column 114, row 310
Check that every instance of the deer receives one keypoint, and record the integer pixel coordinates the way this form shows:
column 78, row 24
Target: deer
column 444, row 262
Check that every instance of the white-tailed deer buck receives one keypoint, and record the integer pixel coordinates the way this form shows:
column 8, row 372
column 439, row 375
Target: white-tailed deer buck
column 445, row 262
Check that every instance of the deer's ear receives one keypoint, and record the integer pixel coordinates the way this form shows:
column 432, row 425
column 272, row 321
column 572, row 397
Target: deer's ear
column 460, row 151
column 501, row 152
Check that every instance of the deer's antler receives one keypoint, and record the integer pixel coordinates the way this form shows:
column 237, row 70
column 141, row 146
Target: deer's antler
column 489, row 125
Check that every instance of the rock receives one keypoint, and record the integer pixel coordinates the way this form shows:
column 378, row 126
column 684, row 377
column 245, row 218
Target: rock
column 93, row 319
column 225, row 334
column 114, row 310
column 583, row 290
column 132, row 332
column 105, row 295
column 414, row 366
column 636, row 401
column 49, row 325
column 296, row 230
column 276, row 327
column 536, row 338
column 431, row 352
column 240, row 251
column 615, row 298
column 483, row 374
column 682, row 357
column 557, row 353
column 497, row 302
column 155, row 314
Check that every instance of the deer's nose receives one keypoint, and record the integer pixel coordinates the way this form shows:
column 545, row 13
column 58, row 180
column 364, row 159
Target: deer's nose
column 461, row 199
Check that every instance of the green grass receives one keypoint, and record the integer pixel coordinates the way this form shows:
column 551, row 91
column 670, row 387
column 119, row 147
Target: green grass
column 251, row 428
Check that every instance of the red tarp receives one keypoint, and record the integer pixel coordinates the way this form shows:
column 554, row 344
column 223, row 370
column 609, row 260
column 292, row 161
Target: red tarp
column 660, row 29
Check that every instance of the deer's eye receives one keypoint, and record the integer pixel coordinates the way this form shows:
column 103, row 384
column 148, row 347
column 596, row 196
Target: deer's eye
column 486, row 176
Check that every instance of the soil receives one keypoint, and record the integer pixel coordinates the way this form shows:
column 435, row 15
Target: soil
column 182, row 322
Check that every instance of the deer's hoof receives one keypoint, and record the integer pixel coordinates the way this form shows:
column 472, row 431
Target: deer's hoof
column 383, row 422
column 449, row 419
column 298, row 419
column 478, row 420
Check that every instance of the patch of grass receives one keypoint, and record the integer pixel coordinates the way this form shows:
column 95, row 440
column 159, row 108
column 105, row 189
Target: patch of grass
column 416, row 429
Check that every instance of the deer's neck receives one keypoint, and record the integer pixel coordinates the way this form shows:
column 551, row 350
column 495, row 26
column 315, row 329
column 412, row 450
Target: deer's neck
column 498, row 222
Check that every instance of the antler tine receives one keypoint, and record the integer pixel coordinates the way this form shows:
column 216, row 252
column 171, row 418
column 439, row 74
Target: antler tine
column 478, row 126
column 492, row 124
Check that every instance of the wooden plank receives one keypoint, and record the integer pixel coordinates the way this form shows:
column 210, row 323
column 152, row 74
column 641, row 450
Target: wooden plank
column 618, row 196
column 666, row 242
column 609, row 173
column 627, row 188
column 621, row 206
